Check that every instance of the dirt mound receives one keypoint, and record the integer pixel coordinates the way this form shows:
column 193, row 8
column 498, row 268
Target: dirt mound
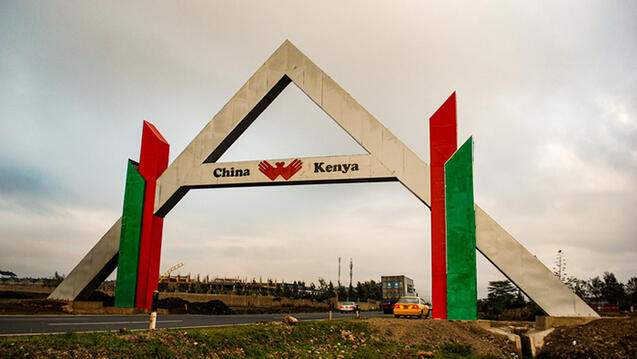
column 31, row 306
column 180, row 306
column 276, row 310
column 8, row 294
column 99, row 296
column 604, row 338
column 440, row 333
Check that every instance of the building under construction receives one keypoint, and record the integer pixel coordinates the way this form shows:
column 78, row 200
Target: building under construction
column 225, row 284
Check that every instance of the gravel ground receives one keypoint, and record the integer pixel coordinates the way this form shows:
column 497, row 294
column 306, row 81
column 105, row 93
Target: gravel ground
column 439, row 332
column 603, row 338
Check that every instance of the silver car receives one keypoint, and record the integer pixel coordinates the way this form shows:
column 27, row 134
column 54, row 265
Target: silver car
column 348, row 307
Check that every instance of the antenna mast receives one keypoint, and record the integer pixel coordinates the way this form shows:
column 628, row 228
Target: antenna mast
column 339, row 272
column 351, row 266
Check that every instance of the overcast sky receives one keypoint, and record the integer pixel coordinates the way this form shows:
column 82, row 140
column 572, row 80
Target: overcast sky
column 547, row 89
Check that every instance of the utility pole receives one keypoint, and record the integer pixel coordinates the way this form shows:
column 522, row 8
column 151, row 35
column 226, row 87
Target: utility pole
column 351, row 267
column 339, row 272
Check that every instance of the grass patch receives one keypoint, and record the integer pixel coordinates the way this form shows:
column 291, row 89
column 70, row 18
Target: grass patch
column 325, row 339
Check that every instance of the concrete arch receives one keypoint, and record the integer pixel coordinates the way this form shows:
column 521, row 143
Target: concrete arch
column 388, row 159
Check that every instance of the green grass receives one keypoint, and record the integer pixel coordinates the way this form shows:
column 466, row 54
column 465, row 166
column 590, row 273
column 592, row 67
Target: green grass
column 327, row 339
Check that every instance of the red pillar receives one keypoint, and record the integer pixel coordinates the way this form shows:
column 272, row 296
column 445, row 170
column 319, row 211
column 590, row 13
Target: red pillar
column 153, row 160
column 442, row 144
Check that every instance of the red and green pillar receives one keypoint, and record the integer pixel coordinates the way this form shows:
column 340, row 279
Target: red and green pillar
column 453, row 244
column 126, row 284
column 153, row 160
column 442, row 144
column 461, row 235
column 141, row 236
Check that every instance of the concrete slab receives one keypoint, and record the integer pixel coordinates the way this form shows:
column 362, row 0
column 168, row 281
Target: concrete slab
column 544, row 322
column 511, row 336
column 533, row 341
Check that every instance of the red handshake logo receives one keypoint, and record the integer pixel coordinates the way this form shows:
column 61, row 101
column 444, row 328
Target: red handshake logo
column 286, row 172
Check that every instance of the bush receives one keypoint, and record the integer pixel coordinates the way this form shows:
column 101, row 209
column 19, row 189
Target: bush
column 455, row 348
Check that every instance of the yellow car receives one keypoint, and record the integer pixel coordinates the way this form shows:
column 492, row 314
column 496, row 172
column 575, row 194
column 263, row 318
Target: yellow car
column 411, row 306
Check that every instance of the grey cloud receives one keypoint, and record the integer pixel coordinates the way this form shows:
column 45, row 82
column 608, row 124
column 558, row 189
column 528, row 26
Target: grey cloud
column 18, row 179
column 548, row 91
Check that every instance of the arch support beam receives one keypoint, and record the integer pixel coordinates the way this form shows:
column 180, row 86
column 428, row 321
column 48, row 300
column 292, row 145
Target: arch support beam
column 93, row 269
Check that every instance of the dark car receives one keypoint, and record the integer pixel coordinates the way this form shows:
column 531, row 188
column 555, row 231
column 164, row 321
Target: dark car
column 387, row 306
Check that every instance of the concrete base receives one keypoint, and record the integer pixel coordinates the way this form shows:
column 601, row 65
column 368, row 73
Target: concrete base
column 126, row 311
column 544, row 323
column 485, row 324
column 512, row 337
column 533, row 341
column 84, row 307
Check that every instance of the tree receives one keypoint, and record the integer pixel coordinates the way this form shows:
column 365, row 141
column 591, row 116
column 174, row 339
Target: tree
column 362, row 292
column 502, row 295
column 631, row 291
column 341, row 292
column 322, row 284
column 376, row 290
column 278, row 291
column 326, row 290
column 519, row 301
column 578, row 286
column 613, row 290
column 506, row 302
column 287, row 291
column 501, row 288
column 330, row 287
column 595, row 287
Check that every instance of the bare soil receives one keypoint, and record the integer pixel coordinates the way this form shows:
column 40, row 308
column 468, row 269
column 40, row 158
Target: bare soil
column 436, row 333
column 31, row 306
column 8, row 294
column 336, row 339
column 35, row 303
column 603, row 338
column 180, row 306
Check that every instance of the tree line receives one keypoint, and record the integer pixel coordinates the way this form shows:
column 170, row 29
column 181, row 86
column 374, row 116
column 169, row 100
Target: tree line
column 606, row 291
column 504, row 301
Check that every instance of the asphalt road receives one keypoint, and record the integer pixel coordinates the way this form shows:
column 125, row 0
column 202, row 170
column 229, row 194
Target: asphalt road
column 43, row 324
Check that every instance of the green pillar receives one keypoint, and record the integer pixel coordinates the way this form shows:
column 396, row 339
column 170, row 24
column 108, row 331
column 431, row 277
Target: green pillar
column 461, row 235
column 128, row 259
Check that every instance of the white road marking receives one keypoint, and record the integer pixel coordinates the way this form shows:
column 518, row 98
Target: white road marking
column 137, row 322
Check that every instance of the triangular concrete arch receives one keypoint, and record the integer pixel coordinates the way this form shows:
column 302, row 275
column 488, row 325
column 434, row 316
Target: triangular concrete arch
column 388, row 159
column 287, row 65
